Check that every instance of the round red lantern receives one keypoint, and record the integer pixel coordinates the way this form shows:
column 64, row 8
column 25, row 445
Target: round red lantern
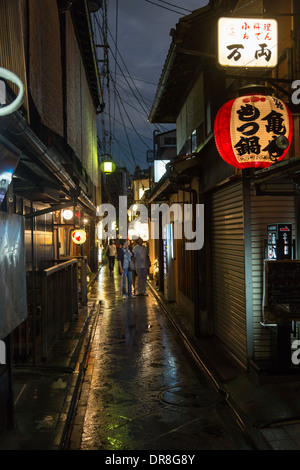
column 253, row 131
column 79, row 236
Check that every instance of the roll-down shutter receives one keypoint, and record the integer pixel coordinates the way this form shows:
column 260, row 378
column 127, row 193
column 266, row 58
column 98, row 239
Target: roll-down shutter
column 229, row 305
column 266, row 210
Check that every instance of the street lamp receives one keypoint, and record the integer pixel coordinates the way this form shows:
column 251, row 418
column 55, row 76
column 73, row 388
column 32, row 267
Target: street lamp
column 107, row 166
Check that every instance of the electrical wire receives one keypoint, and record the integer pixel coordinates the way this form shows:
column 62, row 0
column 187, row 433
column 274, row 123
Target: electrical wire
column 165, row 8
column 176, row 6
column 117, row 65
column 124, row 150
column 116, row 51
column 131, row 129
column 139, row 98
column 125, row 130
column 138, row 79
column 142, row 113
column 120, row 100
column 133, row 126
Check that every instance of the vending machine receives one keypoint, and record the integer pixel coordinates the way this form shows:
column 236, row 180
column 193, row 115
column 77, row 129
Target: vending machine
column 281, row 300
column 280, row 245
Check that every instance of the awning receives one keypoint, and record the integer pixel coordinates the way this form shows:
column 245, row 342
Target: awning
column 286, row 170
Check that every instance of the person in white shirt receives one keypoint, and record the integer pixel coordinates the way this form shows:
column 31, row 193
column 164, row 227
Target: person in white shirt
column 141, row 263
column 112, row 252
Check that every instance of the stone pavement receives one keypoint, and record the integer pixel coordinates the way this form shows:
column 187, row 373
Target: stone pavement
column 269, row 404
column 46, row 396
column 141, row 391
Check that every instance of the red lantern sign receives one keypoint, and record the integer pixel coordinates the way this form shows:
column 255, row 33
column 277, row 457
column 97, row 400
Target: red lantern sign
column 253, row 131
column 79, row 236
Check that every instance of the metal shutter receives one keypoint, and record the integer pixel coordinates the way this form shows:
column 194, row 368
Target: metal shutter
column 265, row 210
column 229, row 306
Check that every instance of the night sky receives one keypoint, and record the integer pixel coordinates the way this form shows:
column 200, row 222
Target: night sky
column 138, row 38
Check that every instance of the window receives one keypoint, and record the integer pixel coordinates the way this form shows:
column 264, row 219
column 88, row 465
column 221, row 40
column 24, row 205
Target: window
column 170, row 141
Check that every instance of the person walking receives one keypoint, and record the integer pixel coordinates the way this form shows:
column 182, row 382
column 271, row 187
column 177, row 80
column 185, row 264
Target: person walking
column 112, row 252
column 134, row 273
column 125, row 258
column 141, row 262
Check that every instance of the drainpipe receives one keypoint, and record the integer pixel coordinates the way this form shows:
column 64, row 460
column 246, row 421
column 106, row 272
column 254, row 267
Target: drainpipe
column 33, row 286
column 19, row 129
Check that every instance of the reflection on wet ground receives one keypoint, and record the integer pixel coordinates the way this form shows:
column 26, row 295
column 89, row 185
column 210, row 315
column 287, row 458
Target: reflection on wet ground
column 141, row 391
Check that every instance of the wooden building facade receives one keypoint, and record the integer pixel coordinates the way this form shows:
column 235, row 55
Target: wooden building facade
column 220, row 288
column 51, row 144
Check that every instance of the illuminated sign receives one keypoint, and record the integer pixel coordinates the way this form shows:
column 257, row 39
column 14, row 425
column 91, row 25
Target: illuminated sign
column 247, row 42
column 253, row 131
column 159, row 169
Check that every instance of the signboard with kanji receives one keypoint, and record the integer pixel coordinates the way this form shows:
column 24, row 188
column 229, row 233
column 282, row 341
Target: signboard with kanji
column 253, row 131
column 254, row 125
column 247, row 42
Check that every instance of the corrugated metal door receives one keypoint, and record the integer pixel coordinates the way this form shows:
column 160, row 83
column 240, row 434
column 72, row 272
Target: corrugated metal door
column 228, row 266
column 266, row 210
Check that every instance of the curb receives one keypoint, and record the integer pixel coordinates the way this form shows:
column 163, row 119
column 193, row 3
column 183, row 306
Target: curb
column 79, row 360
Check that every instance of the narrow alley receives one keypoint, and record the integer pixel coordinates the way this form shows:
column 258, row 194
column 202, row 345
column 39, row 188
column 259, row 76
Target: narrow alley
column 121, row 379
column 140, row 390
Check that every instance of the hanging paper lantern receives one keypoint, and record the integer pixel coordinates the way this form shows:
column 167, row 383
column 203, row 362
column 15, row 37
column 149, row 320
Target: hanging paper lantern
column 79, row 236
column 253, row 131
column 107, row 167
column 67, row 214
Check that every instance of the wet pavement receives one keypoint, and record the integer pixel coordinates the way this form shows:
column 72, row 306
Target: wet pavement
column 44, row 393
column 141, row 391
column 129, row 376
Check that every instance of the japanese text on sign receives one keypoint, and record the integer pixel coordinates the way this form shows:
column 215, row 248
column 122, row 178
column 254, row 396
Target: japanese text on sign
column 255, row 124
column 247, row 42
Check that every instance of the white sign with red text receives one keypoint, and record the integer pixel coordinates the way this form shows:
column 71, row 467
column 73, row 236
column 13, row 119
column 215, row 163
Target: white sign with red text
column 247, row 42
